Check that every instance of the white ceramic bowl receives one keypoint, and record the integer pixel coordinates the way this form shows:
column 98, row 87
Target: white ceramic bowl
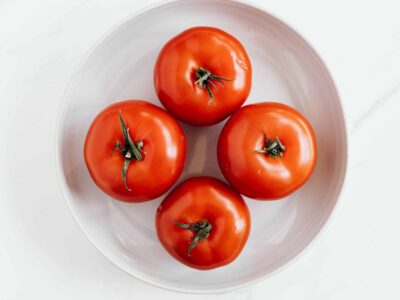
column 285, row 69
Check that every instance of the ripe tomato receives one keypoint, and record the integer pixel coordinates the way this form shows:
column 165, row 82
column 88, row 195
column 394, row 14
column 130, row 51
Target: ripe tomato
column 203, row 223
column 135, row 151
column 267, row 150
column 202, row 75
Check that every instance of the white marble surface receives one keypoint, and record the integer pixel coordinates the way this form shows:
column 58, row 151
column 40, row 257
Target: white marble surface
column 43, row 253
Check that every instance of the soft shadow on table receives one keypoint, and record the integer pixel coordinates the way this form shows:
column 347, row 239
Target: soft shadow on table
column 51, row 235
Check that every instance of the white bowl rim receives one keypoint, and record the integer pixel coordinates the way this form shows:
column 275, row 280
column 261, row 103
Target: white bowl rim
column 63, row 184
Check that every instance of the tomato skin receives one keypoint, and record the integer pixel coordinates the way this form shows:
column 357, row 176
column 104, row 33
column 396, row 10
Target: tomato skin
column 164, row 151
column 214, row 50
column 257, row 175
column 207, row 198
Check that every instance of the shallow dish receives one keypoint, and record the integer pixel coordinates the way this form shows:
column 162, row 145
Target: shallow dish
column 285, row 69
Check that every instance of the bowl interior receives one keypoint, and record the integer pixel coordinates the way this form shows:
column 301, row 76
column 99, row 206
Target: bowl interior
column 285, row 69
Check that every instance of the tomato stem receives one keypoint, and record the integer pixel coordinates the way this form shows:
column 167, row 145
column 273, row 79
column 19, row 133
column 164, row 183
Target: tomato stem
column 132, row 150
column 273, row 147
column 202, row 228
column 205, row 79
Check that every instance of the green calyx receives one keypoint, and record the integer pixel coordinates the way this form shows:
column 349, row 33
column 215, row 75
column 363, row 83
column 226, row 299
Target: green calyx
column 273, row 147
column 205, row 80
column 202, row 229
column 131, row 150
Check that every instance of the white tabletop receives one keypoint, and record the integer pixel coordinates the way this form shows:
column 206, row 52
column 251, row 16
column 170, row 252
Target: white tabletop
column 43, row 253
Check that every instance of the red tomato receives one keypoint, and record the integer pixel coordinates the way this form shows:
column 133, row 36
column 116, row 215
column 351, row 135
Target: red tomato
column 135, row 151
column 267, row 150
column 202, row 75
column 203, row 223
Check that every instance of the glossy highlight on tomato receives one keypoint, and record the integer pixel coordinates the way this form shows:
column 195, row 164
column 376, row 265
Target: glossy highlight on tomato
column 267, row 150
column 134, row 151
column 206, row 208
column 202, row 75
